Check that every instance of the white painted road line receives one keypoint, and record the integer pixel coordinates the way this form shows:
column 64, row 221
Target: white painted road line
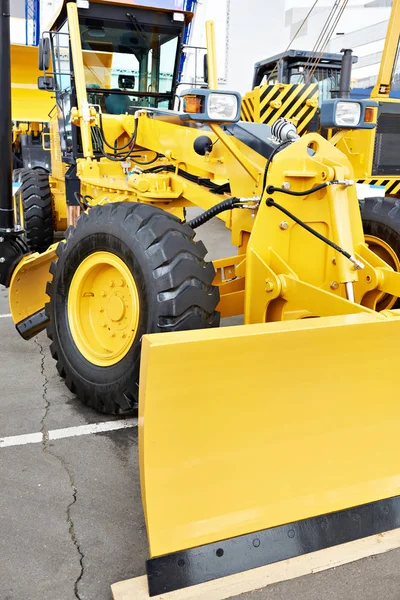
column 59, row 434
column 21, row 440
column 5, row 316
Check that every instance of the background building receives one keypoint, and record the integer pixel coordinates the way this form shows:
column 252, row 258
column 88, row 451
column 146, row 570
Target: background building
column 362, row 27
column 248, row 31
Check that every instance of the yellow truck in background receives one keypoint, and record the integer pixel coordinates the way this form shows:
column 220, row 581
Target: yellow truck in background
column 30, row 109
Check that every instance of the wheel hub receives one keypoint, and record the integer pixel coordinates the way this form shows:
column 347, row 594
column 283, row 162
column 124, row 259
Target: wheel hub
column 116, row 309
column 103, row 308
column 386, row 253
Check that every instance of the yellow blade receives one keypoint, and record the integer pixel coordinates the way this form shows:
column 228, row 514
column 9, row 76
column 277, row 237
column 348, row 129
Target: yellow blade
column 251, row 427
column 27, row 294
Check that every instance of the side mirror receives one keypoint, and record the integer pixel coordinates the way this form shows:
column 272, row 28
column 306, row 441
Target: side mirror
column 126, row 82
column 205, row 77
column 44, row 54
column 46, row 83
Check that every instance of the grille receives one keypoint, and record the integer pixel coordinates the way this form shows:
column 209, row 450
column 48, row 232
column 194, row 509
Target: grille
column 387, row 145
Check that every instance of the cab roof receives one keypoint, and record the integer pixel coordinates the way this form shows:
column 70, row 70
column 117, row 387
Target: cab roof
column 292, row 56
column 61, row 14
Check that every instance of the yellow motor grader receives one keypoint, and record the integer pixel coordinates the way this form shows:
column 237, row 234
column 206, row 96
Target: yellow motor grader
column 257, row 442
column 301, row 86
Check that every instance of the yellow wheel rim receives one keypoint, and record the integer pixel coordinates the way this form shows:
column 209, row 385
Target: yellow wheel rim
column 103, row 309
column 386, row 253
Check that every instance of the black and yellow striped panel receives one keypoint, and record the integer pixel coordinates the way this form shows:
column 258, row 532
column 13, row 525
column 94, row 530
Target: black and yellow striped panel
column 392, row 186
column 247, row 109
column 297, row 102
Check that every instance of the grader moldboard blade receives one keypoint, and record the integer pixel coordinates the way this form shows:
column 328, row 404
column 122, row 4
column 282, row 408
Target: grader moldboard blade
column 263, row 442
column 28, row 295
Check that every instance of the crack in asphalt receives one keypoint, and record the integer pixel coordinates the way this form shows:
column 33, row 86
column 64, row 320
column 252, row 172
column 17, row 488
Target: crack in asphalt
column 46, row 448
column 45, row 435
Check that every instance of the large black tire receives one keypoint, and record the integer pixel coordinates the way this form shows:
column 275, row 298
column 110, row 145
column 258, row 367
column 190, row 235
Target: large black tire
column 381, row 219
column 173, row 281
column 37, row 207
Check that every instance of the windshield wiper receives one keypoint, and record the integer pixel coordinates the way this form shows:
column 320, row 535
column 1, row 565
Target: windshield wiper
column 137, row 26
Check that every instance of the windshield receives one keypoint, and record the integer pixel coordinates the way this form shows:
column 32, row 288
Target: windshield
column 328, row 80
column 128, row 64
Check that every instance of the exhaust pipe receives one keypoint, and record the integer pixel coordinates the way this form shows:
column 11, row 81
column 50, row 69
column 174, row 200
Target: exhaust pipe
column 12, row 246
column 345, row 74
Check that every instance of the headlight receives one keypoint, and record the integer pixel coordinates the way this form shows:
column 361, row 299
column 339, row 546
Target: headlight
column 348, row 114
column 201, row 104
column 222, row 107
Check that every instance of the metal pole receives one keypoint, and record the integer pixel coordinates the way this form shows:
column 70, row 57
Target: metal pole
column 6, row 210
column 211, row 56
column 345, row 74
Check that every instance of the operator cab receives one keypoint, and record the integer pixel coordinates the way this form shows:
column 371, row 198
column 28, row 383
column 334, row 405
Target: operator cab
column 131, row 57
column 301, row 66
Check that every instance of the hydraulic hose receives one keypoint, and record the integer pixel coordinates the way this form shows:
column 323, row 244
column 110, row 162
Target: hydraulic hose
column 99, row 137
column 227, row 204
column 269, row 161
column 83, row 200
column 271, row 188
column 213, row 187
column 118, row 148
